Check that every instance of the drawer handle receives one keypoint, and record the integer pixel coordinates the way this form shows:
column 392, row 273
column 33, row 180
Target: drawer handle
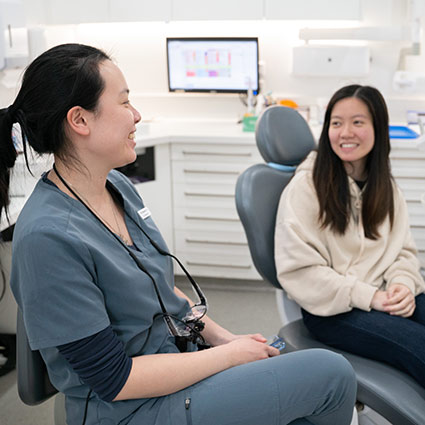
column 188, row 170
column 209, row 153
column 200, row 217
column 211, row 242
column 232, row 266
column 203, row 194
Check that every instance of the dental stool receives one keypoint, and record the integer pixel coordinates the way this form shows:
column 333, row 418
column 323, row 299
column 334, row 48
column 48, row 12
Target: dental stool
column 284, row 139
column 34, row 386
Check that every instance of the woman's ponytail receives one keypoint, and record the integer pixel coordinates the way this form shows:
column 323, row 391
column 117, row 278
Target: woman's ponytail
column 59, row 79
column 8, row 154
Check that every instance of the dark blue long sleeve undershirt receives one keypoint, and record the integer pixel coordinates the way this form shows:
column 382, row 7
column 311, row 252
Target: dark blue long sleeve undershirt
column 100, row 361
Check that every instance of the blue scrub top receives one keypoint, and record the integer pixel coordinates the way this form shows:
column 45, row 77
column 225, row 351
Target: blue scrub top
column 72, row 279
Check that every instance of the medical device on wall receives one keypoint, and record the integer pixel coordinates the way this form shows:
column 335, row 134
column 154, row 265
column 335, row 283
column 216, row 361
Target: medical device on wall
column 223, row 65
column 404, row 79
column 330, row 61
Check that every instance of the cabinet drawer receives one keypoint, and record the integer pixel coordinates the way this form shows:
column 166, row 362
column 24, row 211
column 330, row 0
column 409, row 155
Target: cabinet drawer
column 405, row 150
column 418, row 233
column 208, row 219
column 223, row 153
column 211, row 173
column 416, row 214
column 224, row 243
column 203, row 195
column 220, row 266
column 412, row 189
column 411, row 170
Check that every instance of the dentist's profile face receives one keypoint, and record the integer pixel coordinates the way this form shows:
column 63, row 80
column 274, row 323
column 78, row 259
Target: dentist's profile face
column 113, row 124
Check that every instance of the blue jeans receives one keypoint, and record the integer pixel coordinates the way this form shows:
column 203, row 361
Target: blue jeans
column 303, row 388
column 395, row 340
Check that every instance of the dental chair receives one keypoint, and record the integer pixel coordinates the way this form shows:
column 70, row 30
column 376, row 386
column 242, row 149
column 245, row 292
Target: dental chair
column 284, row 139
column 34, row 386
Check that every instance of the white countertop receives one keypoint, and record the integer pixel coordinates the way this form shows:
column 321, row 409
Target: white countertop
column 192, row 131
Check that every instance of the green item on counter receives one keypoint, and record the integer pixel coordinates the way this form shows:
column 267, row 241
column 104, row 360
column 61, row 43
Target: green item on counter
column 248, row 123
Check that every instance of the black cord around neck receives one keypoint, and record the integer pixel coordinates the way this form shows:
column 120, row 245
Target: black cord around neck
column 152, row 242
column 132, row 255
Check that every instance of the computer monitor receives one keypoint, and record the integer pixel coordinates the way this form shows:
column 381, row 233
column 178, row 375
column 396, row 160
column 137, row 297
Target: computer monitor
column 224, row 65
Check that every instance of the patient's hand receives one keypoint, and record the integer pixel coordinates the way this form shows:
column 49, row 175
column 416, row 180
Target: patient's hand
column 379, row 300
column 401, row 301
column 398, row 300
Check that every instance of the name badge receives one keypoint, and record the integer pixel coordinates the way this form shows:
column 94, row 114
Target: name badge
column 144, row 213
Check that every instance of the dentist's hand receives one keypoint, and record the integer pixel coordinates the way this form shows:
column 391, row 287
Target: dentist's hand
column 247, row 349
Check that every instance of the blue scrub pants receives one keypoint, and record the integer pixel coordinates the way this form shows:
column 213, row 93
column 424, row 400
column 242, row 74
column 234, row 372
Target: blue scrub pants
column 302, row 388
column 377, row 335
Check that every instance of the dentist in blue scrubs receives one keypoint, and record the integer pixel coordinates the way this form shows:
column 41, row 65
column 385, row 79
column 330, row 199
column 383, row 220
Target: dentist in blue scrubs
column 94, row 278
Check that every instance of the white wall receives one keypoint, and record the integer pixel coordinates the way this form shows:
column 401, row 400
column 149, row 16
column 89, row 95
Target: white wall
column 139, row 49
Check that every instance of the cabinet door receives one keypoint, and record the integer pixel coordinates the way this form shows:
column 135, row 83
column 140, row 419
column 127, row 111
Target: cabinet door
column 312, row 9
column 62, row 12
column 408, row 168
column 36, row 12
column 217, row 10
column 140, row 10
column 13, row 37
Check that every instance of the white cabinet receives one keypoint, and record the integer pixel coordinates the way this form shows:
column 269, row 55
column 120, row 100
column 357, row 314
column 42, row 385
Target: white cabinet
column 217, row 10
column 408, row 168
column 62, row 12
column 312, row 9
column 59, row 12
column 13, row 34
column 208, row 235
column 36, row 12
column 140, row 10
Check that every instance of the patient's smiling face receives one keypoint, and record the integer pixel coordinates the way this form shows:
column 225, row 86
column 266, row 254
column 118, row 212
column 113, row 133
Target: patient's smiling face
column 351, row 134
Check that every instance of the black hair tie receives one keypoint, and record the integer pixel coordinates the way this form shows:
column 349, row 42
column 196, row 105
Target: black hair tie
column 7, row 114
column 8, row 151
column 11, row 113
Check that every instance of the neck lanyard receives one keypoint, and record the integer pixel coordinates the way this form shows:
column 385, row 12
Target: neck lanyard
column 133, row 256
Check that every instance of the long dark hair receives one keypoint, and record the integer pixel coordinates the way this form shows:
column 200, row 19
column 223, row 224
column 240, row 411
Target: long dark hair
column 330, row 177
column 65, row 76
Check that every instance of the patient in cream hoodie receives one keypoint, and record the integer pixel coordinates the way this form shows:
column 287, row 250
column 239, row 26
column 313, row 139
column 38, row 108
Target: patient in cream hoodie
column 343, row 248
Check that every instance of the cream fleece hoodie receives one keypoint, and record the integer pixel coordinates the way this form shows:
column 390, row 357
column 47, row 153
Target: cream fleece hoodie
column 327, row 273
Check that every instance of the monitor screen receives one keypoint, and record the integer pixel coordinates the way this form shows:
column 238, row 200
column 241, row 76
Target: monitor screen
column 227, row 65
